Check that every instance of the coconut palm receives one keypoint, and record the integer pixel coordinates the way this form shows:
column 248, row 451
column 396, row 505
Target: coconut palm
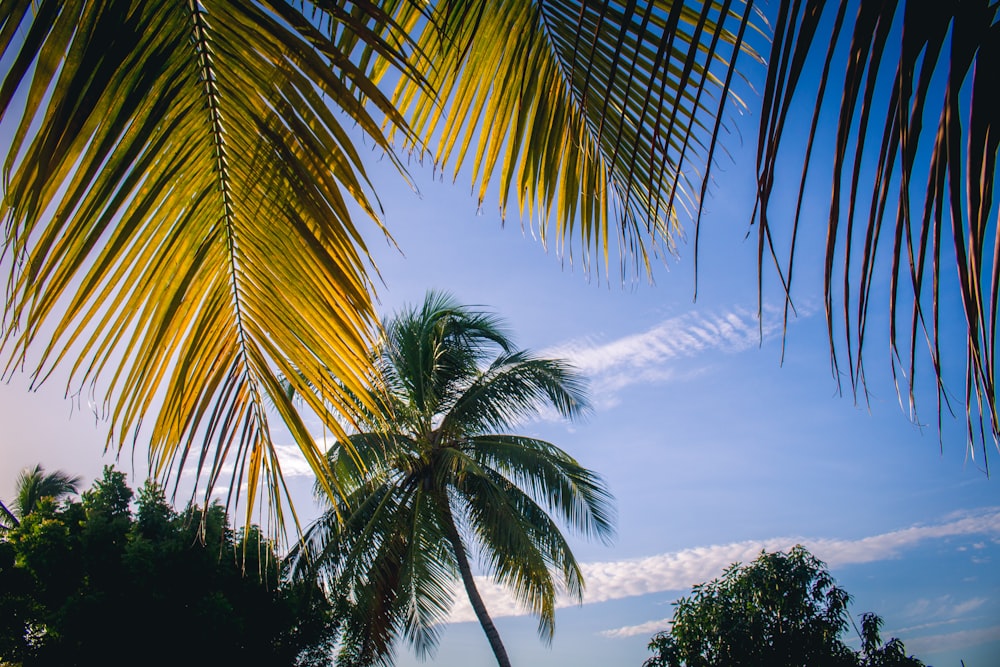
column 172, row 166
column 33, row 484
column 438, row 478
column 8, row 520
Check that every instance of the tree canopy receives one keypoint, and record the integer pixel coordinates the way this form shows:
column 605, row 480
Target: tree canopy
column 91, row 582
column 781, row 609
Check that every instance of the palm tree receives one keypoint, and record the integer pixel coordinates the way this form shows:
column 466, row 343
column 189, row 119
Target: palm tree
column 172, row 166
column 32, row 485
column 8, row 520
column 439, row 477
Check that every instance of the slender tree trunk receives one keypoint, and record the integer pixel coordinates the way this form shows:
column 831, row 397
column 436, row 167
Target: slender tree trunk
column 470, row 585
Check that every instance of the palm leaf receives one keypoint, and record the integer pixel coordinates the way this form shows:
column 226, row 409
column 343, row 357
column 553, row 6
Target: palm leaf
column 512, row 389
column 519, row 543
column 925, row 208
column 552, row 477
column 599, row 119
column 176, row 205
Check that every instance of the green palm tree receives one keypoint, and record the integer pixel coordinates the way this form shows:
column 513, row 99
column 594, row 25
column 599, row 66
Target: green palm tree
column 33, row 484
column 438, row 478
column 172, row 166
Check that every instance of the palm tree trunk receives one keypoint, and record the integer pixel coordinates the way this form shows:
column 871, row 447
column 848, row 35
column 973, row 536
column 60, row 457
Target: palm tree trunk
column 470, row 585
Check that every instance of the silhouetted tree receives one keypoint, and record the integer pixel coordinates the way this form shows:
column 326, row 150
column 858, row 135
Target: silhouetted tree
column 89, row 583
column 781, row 609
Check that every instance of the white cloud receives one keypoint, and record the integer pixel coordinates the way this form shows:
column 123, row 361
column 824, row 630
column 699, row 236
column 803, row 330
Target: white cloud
column 678, row 571
column 290, row 457
column 292, row 461
column 645, row 629
column 969, row 605
column 645, row 358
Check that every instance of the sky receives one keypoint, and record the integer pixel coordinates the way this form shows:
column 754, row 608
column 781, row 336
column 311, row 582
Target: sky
column 716, row 441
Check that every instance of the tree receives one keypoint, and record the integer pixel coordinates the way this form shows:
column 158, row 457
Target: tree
column 32, row 485
column 435, row 477
column 781, row 609
column 167, row 160
column 163, row 581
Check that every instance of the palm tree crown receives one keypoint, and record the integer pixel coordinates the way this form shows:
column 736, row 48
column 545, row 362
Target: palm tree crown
column 33, row 484
column 437, row 475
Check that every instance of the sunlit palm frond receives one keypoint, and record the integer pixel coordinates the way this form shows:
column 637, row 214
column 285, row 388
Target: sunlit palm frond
column 599, row 119
column 913, row 84
column 178, row 223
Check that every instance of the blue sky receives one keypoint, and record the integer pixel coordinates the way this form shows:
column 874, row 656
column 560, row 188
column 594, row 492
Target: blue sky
column 714, row 447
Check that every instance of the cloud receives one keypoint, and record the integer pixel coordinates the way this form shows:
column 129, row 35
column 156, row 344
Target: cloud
column 952, row 641
column 645, row 358
column 645, row 629
column 292, row 461
column 679, row 570
column 943, row 607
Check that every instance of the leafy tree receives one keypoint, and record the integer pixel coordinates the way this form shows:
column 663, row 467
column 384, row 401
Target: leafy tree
column 439, row 476
column 159, row 582
column 171, row 166
column 781, row 609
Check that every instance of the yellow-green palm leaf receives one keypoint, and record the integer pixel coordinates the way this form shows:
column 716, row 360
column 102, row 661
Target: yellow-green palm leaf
column 599, row 119
column 176, row 199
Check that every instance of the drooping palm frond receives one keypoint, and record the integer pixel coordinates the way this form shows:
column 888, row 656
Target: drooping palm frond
column 914, row 167
column 520, row 545
column 33, row 484
column 176, row 192
column 552, row 478
column 599, row 119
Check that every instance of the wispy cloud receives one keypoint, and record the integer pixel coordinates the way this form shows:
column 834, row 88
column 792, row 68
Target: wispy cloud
column 679, row 570
column 647, row 357
column 952, row 641
column 645, row 629
column 943, row 607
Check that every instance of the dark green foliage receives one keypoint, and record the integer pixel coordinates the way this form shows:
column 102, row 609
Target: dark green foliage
column 782, row 609
column 88, row 583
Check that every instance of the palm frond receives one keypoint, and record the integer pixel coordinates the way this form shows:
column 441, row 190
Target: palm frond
column 599, row 119
column 552, row 478
column 428, row 350
column 520, row 544
column 513, row 388
column 33, row 484
column 175, row 200
column 913, row 71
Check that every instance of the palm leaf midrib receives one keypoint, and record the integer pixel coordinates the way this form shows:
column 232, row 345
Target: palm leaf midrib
column 208, row 75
